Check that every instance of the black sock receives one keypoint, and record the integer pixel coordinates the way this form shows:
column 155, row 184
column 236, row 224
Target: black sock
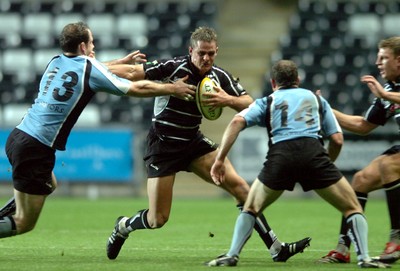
column 263, row 229
column 362, row 199
column 392, row 197
column 138, row 221
column 9, row 208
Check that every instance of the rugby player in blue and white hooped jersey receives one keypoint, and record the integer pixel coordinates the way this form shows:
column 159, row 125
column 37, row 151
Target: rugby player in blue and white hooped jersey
column 175, row 143
column 68, row 84
column 294, row 118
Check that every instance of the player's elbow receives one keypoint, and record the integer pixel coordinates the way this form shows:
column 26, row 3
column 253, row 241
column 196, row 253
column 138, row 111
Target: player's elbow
column 337, row 140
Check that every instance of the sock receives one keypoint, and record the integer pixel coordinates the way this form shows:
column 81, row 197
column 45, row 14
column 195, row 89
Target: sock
column 7, row 227
column 242, row 232
column 9, row 208
column 392, row 197
column 344, row 240
column 362, row 199
column 136, row 222
column 266, row 233
column 395, row 236
column 358, row 232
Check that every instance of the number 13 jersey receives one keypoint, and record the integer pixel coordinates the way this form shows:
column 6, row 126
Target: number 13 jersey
column 66, row 87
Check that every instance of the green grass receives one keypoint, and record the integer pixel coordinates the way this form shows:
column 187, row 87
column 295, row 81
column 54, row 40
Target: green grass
column 72, row 233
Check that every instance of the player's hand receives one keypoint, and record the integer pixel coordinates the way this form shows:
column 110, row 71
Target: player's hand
column 373, row 84
column 217, row 172
column 183, row 90
column 136, row 57
column 218, row 99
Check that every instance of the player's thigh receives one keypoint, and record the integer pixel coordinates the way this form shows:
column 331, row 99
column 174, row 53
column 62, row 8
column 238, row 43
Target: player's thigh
column 260, row 197
column 160, row 194
column 201, row 166
column 28, row 209
column 341, row 196
column 234, row 184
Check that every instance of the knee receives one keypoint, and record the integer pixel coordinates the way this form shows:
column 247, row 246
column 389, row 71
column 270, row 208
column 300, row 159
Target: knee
column 360, row 181
column 23, row 225
column 157, row 221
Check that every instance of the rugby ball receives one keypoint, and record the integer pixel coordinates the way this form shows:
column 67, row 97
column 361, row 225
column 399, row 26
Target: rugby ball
column 209, row 112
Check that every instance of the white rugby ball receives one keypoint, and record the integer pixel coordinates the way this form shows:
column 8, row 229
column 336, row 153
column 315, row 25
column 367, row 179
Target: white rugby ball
column 207, row 86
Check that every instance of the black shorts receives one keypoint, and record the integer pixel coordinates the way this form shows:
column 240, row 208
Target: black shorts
column 32, row 163
column 165, row 157
column 302, row 160
column 392, row 150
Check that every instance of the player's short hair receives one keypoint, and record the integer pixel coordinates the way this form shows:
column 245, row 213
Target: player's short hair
column 285, row 73
column 72, row 35
column 203, row 33
column 391, row 43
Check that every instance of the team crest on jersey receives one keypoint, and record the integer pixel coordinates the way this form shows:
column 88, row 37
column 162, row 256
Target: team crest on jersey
column 394, row 108
column 154, row 62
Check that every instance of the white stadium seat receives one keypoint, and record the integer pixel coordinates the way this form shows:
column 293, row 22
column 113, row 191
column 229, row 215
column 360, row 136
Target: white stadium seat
column 103, row 28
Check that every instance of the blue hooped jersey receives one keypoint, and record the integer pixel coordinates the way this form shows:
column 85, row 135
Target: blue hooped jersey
column 292, row 113
column 66, row 87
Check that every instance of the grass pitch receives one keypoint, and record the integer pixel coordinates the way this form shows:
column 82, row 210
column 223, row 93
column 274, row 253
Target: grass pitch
column 72, row 234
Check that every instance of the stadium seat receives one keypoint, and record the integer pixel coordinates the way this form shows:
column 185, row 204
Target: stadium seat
column 375, row 7
column 62, row 20
column 41, row 58
column 366, row 26
column 18, row 63
column 10, row 30
column 13, row 114
column 110, row 54
column 390, row 24
column 132, row 29
column 37, row 29
column 103, row 28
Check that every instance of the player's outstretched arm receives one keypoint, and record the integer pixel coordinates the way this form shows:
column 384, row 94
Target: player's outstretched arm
column 130, row 72
column 146, row 88
column 354, row 124
column 229, row 137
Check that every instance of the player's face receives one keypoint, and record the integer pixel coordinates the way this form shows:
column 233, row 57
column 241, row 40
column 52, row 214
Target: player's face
column 89, row 50
column 388, row 64
column 203, row 55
